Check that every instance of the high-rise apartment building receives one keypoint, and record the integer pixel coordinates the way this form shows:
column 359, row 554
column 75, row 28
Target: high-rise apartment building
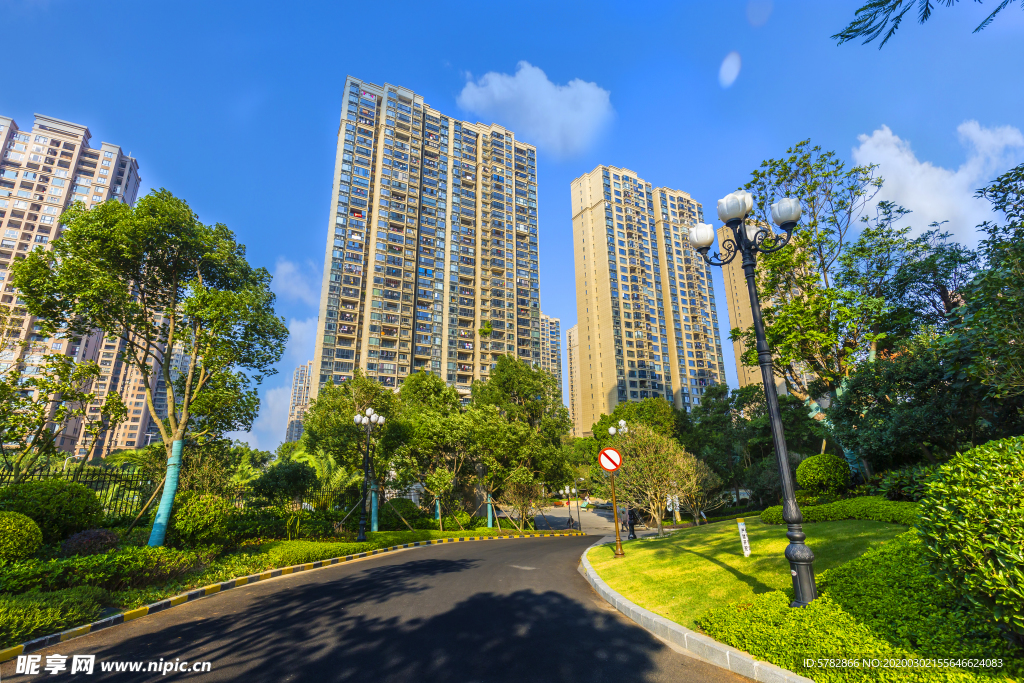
column 42, row 171
column 648, row 323
column 299, row 402
column 737, row 301
column 432, row 260
column 551, row 346
column 572, row 348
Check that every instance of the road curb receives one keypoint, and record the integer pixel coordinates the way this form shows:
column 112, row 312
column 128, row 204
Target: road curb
column 696, row 644
column 9, row 653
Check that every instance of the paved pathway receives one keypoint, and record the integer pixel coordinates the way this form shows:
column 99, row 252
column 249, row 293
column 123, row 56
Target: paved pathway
column 487, row 612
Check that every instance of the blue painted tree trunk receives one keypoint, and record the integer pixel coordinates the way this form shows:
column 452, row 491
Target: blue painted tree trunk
column 163, row 513
column 373, row 506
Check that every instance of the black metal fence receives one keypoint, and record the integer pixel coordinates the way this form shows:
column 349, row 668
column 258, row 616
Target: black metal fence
column 120, row 492
column 124, row 493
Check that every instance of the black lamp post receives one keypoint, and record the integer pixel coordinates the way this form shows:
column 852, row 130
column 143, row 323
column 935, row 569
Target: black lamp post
column 750, row 239
column 369, row 420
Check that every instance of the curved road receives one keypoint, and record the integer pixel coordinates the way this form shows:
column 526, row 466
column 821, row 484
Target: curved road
column 508, row 610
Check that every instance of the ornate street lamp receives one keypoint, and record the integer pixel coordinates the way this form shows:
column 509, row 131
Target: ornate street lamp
column 748, row 240
column 368, row 421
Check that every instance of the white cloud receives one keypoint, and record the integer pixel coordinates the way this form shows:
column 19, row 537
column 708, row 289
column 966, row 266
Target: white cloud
column 301, row 341
column 295, row 283
column 561, row 119
column 730, row 69
column 935, row 193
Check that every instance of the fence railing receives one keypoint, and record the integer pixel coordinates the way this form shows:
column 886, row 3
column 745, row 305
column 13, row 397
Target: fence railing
column 120, row 492
column 124, row 493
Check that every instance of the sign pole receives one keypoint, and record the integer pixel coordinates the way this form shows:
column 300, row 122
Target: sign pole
column 615, row 515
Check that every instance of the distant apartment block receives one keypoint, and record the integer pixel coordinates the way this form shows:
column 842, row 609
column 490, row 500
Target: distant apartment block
column 432, row 258
column 42, row 171
column 298, row 404
column 551, row 347
column 572, row 348
column 648, row 323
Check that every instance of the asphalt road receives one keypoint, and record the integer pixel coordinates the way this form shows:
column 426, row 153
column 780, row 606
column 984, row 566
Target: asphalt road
column 509, row 610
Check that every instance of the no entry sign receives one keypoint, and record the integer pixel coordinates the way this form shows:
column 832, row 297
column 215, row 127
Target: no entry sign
column 610, row 459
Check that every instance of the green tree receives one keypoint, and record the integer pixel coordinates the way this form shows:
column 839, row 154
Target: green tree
column 37, row 403
column 525, row 394
column 818, row 330
column 877, row 17
column 991, row 319
column 920, row 403
column 165, row 283
column 653, row 468
column 336, row 443
column 656, row 413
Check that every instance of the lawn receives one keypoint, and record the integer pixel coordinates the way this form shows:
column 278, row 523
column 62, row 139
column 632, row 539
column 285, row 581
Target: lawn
column 684, row 575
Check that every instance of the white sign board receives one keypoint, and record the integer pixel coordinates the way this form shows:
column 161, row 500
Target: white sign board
column 743, row 537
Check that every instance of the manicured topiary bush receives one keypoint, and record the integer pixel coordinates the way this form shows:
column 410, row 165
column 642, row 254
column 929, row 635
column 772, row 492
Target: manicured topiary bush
column 90, row 542
column 824, row 474
column 20, row 537
column 285, row 481
column 864, row 507
column 390, row 511
column 59, row 507
column 972, row 526
column 201, row 519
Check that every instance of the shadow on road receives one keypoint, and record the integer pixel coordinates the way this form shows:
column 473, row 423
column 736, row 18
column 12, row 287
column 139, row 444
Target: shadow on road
column 345, row 630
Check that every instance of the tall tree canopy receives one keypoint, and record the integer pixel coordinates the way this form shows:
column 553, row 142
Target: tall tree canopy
column 166, row 284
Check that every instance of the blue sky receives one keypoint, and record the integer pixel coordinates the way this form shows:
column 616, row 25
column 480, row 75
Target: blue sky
column 235, row 107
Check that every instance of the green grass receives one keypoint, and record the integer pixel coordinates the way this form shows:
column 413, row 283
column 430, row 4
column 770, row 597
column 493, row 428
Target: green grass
column 686, row 574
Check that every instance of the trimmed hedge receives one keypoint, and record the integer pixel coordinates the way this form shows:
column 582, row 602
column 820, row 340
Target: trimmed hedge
column 60, row 508
column 972, row 524
column 883, row 604
column 126, row 568
column 20, row 537
column 31, row 615
column 865, row 507
column 823, row 474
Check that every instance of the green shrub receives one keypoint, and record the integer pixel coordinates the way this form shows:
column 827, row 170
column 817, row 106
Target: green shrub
column 865, row 507
column 908, row 483
column 20, row 537
column 824, row 474
column 117, row 570
column 31, row 615
column 285, row 481
column 90, row 542
column 202, row 519
column 388, row 519
column 972, row 524
column 287, row 553
column 59, row 507
column 885, row 605
column 890, row 589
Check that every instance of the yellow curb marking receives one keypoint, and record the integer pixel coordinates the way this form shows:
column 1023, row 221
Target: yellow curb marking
column 75, row 632
column 136, row 613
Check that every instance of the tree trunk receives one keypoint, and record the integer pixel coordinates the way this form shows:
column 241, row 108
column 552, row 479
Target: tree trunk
column 927, row 453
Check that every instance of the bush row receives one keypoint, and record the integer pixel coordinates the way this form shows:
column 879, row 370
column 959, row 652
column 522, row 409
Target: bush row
column 31, row 615
column 115, row 570
column 866, row 507
column 59, row 507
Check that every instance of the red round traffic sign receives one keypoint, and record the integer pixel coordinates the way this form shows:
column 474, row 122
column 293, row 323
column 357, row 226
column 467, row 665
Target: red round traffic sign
column 610, row 459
